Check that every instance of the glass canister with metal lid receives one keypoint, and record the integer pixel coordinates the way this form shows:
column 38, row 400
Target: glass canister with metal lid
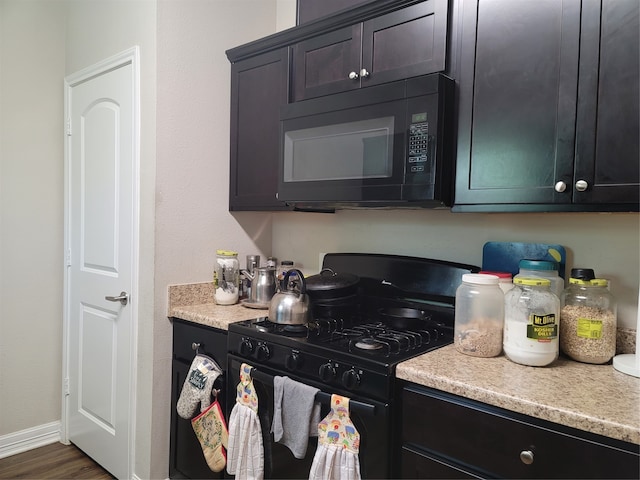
column 479, row 316
column 588, row 318
column 531, row 322
column 226, row 277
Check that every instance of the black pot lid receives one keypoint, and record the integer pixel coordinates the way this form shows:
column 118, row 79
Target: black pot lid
column 327, row 280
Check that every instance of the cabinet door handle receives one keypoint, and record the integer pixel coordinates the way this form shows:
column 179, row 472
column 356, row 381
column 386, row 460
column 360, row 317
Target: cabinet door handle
column 560, row 187
column 526, row 456
column 581, row 185
column 364, row 73
column 353, row 75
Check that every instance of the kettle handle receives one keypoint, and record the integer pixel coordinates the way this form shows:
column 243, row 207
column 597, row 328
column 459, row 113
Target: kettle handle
column 303, row 285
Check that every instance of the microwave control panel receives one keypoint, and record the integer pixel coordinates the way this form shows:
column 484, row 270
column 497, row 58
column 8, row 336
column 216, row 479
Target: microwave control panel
column 418, row 156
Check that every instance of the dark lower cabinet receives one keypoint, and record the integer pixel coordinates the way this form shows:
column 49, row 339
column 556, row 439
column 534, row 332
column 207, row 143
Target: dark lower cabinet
column 186, row 457
column 447, row 436
column 258, row 89
column 548, row 105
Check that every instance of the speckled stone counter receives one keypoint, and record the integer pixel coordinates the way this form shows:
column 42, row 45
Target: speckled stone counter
column 195, row 303
column 593, row 398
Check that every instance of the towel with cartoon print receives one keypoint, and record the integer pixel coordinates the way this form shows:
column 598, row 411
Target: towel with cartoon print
column 336, row 457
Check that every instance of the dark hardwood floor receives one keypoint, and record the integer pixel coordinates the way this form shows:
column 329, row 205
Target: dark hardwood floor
column 55, row 461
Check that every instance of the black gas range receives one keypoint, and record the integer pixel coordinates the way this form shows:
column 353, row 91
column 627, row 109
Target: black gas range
column 404, row 308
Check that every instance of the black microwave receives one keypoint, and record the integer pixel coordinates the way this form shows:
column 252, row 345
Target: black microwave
column 389, row 145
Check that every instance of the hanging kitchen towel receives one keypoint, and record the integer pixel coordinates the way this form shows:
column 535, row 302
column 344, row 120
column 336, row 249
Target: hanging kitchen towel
column 197, row 386
column 338, row 445
column 245, row 453
column 295, row 414
column 211, row 430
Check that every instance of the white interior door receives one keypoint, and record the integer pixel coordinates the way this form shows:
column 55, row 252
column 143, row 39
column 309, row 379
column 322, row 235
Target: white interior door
column 101, row 216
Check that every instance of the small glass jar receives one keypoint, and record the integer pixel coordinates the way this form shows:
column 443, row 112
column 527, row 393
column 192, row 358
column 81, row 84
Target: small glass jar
column 531, row 322
column 505, row 279
column 479, row 316
column 226, row 277
column 542, row 269
column 588, row 320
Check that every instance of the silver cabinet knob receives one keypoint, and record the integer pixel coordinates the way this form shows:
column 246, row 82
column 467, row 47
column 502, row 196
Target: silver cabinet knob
column 581, row 185
column 353, row 75
column 364, row 73
column 526, row 456
column 123, row 298
column 560, row 187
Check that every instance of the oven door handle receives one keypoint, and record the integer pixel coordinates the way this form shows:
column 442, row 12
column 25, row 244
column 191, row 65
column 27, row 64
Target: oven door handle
column 322, row 397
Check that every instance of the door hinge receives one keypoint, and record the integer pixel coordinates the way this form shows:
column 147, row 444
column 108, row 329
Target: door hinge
column 67, row 260
column 67, row 391
column 68, row 126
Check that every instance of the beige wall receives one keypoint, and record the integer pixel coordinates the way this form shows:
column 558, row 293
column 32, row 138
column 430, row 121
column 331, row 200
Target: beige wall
column 31, row 214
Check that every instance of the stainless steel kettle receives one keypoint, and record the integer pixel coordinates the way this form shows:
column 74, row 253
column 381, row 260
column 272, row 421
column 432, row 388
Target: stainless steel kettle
column 291, row 306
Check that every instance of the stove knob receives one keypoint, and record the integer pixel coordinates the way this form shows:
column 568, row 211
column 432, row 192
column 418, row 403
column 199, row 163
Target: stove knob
column 262, row 352
column 246, row 347
column 293, row 361
column 351, row 379
column 327, row 372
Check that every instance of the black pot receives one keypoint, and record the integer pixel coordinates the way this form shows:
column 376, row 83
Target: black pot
column 329, row 285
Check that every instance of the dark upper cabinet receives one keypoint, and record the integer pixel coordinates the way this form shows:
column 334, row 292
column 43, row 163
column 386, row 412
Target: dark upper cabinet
column 400, row 44
column 548, row 105
column 258, row 89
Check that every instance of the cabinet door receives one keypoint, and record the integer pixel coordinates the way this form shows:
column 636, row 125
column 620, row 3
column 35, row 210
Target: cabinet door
column 517, row 100
column 406, row 43
column 608, row 123
column 258, row 89
column 327, row 64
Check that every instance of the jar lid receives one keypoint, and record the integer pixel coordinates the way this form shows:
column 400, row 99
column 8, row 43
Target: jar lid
column 596, row 282
column 480, row 279
column 226, row 253
column 538, row 264
column 503, row 276
column 582, row 273
column 532, row 281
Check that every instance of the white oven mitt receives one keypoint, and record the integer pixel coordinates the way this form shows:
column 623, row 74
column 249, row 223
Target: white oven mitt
column 197, row 386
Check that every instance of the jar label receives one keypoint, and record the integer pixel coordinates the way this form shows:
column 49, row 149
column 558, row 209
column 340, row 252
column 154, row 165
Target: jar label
column 588, row 328
column 542, row 328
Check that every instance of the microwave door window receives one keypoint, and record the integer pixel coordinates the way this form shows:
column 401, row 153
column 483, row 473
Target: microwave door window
column 348, row 151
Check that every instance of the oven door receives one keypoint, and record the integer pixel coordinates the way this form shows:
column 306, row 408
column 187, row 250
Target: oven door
column 279, row 462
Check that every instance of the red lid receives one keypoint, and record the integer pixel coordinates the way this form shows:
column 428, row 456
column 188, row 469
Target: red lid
column 497, row 274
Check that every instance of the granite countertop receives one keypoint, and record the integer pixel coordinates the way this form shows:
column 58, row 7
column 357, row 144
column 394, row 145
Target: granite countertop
column 593, row 398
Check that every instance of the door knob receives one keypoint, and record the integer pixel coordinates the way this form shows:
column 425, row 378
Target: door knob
column 353, row 75
column 560, row 187
column 581, row 185
column 123, row 298
column 364, row 73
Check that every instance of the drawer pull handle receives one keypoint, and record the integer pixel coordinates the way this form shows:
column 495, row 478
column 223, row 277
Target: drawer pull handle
column 195, row 346
column 526, row 456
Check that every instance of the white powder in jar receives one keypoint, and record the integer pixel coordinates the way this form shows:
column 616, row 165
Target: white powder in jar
column 519, row 348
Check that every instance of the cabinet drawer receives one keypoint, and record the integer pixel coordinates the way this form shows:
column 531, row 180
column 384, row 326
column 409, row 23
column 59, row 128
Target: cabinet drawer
column 480, row 438
column 213, row 342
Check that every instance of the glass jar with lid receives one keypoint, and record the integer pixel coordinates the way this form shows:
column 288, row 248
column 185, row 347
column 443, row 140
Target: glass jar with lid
column 542, row 269
column 588, row 318
column 531, row 322
column 479, row 316
column 226, row 277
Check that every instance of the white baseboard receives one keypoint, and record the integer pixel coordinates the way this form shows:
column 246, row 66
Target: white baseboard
column 29, row 439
